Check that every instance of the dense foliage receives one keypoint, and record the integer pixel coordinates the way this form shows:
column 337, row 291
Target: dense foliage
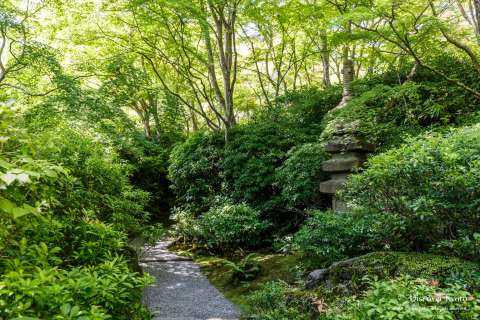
column 67, row 207
column 407, row 298
column 118, row 115
column 225, row 227
column 430, row 183
column 331, row 237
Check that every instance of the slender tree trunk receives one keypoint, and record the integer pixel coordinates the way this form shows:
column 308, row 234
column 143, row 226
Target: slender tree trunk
column 325, row 59
column 476, row 5
column 194, row 121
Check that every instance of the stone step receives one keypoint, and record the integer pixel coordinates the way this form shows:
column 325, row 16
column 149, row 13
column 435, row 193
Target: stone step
column 332, row 186
column 344, row 163
column 342, row 144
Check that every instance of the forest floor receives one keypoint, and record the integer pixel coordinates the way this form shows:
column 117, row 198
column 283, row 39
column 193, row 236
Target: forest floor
column 181, row 291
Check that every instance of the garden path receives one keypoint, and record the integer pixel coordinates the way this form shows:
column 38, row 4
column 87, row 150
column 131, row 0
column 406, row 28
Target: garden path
column 181, row 291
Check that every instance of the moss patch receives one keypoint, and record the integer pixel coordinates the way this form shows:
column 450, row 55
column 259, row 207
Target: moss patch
column 392, row 264
column 273, row 267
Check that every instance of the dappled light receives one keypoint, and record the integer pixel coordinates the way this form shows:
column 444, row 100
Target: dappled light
column 239, row 159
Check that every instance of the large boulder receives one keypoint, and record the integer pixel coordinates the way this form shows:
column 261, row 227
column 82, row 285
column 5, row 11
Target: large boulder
column 387, row 265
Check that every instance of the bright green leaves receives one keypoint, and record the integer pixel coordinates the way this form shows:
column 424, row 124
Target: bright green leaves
column 15, row 211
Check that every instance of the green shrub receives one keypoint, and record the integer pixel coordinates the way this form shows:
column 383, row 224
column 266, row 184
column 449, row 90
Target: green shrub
column 300, row 175
column 277, row 301
column 430, row 182
column 100, row 177
column 306, row 107
column 58, row 261
column 247, row 269
column 195, row 170
column 228, row 226
column 244, row 170
column 100, row 292
column 407, row 298
column 386, row 110
column 94, row 242
column 185, row 225
column 256, row 149
column 330, row 236
column 467, row 247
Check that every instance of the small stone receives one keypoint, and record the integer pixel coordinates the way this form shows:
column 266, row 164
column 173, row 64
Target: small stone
column 315, row 277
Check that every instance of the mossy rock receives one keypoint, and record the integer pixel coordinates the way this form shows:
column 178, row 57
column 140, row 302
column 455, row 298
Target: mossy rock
column 392, row 264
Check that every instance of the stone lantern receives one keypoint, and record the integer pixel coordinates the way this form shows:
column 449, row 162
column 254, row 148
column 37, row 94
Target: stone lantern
column 349, row 152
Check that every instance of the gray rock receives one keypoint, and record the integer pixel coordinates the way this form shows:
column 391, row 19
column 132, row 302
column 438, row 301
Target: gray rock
column 315, row 277
column 344, row 162
column 332, row 186
column 348, row 143
column 341, row 269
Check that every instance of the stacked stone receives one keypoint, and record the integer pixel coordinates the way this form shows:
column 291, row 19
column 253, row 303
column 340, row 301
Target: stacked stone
column 349, row 152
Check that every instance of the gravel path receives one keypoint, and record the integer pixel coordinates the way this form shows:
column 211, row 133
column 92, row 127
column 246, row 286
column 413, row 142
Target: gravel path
column 181, row 291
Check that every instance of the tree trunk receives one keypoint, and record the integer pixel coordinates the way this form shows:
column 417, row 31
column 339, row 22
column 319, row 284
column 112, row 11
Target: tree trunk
column 476, row 5
column 325, row 59
column 194, row 121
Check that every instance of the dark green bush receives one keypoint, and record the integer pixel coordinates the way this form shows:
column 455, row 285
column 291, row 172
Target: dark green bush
column 387, row 109
column 100, row 177
column 94, row 242
column 228, row 226
column 249, row 168
column 300, row 175
column 256, row 149
column 195, row 170
column 467, row 247
column 431, row 183
column 307, row 106
column 330, row 236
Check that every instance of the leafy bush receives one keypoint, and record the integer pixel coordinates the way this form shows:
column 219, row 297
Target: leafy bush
column 59, row 261
column 226, row 227
column 101, row 178
column 467, row 247
column 98, row 292
column 256, row 149
column 94, row 242
column 407, row 298
column 307, row 106
column 247, row 269
column 185, row 225
column 300, row 175
column 195, row 170
column 330, row 236
column 431, row 183
column 244, row 170
column 276, row 300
